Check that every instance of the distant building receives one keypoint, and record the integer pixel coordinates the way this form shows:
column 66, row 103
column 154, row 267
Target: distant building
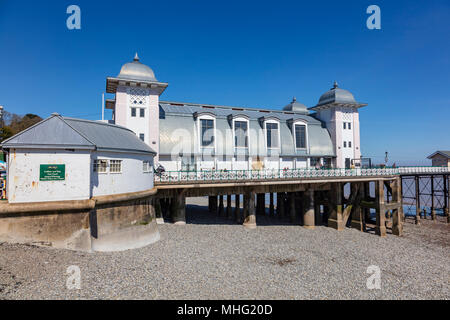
column 73, row 159
column 440, row 159
column 189, row 136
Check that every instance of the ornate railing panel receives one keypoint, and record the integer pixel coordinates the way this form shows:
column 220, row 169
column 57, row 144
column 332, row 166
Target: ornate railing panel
column 255, row 175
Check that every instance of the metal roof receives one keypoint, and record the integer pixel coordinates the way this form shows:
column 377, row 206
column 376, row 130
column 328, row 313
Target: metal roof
column 337, row 96
column 441, row 152
column 178, row 128
column 57, row 132
column 136, row 70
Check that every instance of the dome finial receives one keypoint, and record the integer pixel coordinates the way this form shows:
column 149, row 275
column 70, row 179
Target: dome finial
column 335, row 84
column 294, row 99
column 136, row 57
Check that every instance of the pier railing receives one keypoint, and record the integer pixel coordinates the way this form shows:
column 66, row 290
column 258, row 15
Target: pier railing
column 269, row 174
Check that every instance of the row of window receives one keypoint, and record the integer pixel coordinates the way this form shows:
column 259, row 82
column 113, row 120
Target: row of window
column 349, row 144
column 115, row 166
column 141, row 112
column 241, row 134
column 347, row 125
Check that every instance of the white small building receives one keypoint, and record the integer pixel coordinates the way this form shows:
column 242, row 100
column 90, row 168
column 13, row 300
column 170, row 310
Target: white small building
column 440, row 158
column 72, row 159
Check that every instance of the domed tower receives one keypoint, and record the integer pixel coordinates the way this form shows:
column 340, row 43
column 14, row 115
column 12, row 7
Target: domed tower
column 136, row 103
column 296, row 106
column 338, row 109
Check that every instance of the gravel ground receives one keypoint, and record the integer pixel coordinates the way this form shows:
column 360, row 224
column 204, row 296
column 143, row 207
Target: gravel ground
column 211, row 258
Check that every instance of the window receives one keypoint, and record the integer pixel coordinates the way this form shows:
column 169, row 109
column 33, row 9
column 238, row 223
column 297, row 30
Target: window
column 115, row 166
column 272, row 135
column 300, row 136
column 207, row 132
column 141, row 136
column 349, row 144
column 349, row 125
column 146, row 166
column 240, row 134
column 133, row 112
column 345, row 144
column 100, row 166
column 345, row 123
column 142, row 112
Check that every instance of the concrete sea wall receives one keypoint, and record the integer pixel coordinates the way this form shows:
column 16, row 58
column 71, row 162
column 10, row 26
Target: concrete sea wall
column 107, row 223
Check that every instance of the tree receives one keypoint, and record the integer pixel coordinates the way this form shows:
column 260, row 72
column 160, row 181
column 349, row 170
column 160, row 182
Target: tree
column 12, row 123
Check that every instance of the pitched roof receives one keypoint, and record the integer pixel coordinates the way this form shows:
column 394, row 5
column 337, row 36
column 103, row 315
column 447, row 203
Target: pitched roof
column 441, row 152
column 57, row 132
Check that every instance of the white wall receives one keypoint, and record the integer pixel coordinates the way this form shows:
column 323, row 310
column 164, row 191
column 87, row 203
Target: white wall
column 23, row 176
column 131, row 179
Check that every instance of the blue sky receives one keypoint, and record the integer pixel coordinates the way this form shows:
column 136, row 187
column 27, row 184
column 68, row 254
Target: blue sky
column 241, row 53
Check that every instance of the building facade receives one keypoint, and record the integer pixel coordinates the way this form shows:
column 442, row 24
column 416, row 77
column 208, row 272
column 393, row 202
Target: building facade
column 440, row 158
column 188, row 136
column 72, row 159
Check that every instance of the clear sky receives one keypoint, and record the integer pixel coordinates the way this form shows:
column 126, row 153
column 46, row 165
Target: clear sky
column 241, row 53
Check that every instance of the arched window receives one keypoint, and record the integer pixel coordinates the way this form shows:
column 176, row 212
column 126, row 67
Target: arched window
column 300, row 135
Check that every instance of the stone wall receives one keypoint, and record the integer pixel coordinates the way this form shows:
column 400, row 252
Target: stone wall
column 110, row 223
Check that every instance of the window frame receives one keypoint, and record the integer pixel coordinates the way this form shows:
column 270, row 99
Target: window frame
column 271, row 121
column 142, row 113
column 142, row 139
column 95, row 166
column 148, row 170
column 133, row 110
column 111, row 166
column 199, row 131
column 241, row 119
column 303, row 123
column 345, row 144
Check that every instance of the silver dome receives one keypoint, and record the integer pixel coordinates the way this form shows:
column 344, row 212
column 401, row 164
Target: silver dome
column 336, row 95
column 136, row 71
column 296, row 107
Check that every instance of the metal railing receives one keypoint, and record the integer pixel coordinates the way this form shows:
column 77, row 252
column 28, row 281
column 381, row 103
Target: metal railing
column 271, row 174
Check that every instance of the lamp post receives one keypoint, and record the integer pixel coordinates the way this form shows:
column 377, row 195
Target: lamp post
column 386, row 158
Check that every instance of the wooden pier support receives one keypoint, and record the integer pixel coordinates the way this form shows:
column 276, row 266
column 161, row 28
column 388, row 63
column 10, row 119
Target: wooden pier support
column 446, row 197
column 212, row 203
column 221, row 207
column 178, row 208
column 229, row 208
column 417, row 219
column 397, row 214
column 261, row 204
column 291, row 200
column 271, row 205
column 237, row 209
column 280, row 205
column 308, row 211
column 249, row 203
column 335, row 219
column 380, row 228
column 357, row 214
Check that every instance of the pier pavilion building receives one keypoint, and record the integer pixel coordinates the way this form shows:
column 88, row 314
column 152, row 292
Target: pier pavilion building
column 191, row 136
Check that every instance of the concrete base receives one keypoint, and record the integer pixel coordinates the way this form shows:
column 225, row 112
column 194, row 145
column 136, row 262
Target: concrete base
column 180, row 223
column 159, row 221
column 126, row 239
column 250, row 222
column 107, row 226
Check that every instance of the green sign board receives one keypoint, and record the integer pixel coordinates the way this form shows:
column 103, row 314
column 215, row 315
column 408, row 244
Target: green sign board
column 52, row 172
